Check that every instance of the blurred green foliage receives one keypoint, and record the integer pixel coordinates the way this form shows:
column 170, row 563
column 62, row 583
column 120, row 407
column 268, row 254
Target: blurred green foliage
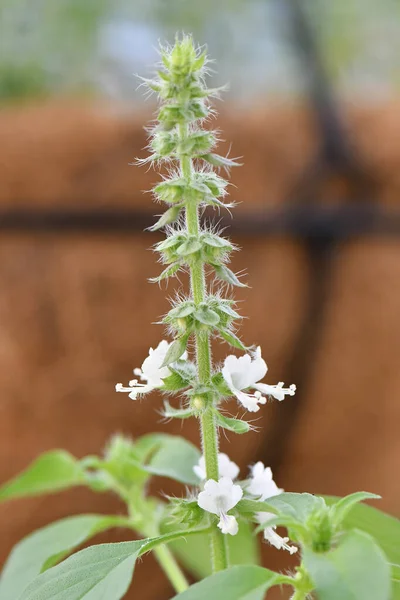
column 73, row 46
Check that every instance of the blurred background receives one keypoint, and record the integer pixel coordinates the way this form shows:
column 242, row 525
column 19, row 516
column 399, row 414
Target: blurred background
column 313, row 110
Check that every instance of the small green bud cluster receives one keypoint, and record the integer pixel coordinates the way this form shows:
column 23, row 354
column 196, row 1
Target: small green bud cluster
column 212, row 314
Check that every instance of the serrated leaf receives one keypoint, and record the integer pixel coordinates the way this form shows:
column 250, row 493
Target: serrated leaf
column 176, row 413
column 169, row 456
column 175, row 351
column 356, row 568
column 235, row 425
column 227, row 275
column 345, row 505
column 168, row 272
column 206, row 315
column 237, row 583
column 232, row 339
column 47, row 546
column 168, row 217
column 53, row 471
column 101, row 571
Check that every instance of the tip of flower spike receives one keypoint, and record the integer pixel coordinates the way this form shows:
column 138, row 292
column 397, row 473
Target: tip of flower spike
column 183, row 57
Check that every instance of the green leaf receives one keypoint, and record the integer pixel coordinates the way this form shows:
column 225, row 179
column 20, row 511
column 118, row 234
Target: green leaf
column 296, row 507
column 101, row 571
column 235, row 425
column 216, row 241
column 345, row 505
column 168, row 217
column 182, row 310
column 186, row 369
column 168, row 272
column 176, row 413
column 189, row 246
column 227, row 275
column 206, row 315
column 170, row 456
column 395, row 569
column 232, row 339
column 170, row 242
column 53, row 471
column 228, row 310
column 236, row 583
column 176, row 350
column 384, row 528
column 194, row 552
column 219, row 161
column 174, row 382
column 171, row 190
column 355, row 569
column 221, row 385
column 47, row 546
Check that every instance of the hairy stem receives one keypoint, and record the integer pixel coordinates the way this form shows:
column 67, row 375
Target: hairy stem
column 163, row 554
column 167, row 562
column 209, row 435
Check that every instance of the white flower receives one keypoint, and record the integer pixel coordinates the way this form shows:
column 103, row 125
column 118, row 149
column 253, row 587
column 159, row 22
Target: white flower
column 261, row 483
column 226, row 467
column 281, row 543
column 245, row 372
column 152, row 372
column 218, row 498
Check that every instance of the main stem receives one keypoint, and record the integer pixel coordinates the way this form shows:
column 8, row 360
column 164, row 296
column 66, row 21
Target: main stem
column 171, row 568
column 209, row 435
column 163, row 555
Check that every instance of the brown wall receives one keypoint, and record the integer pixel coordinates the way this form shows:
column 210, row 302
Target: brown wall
column 75, row 309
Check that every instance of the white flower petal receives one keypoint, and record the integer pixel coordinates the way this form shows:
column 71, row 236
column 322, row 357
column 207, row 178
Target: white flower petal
column 276, row 391
column 219, row 496
column 228, row 524
column 281, row 543
column 226, row 467
column 245, row 372
column 261, row 482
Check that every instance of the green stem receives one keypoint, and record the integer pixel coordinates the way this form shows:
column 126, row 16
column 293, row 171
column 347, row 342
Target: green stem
column 163, row 554
column 171, row 568
column 209, row 435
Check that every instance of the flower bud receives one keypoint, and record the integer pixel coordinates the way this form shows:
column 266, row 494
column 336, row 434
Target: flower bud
column 321, row 529
column 164, row 143
column 197, row 143
column 198, row 403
